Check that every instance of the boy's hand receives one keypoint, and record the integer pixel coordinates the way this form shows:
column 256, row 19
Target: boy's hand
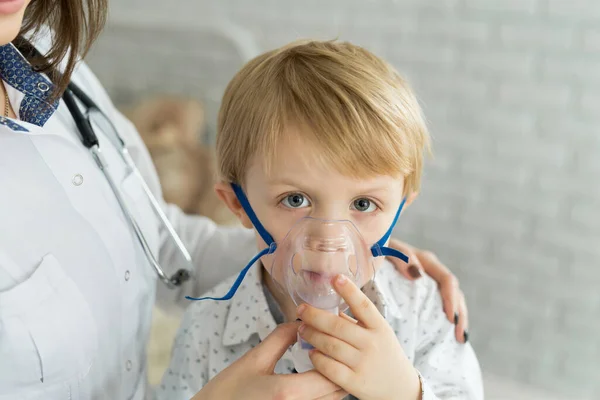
column 455, row 306
column 364, row 357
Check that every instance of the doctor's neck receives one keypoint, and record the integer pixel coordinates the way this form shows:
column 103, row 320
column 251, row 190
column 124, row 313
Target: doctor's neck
column 5, row 106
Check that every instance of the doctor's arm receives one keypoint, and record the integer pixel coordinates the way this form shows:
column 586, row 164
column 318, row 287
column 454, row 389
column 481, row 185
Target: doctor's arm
column 217, row 251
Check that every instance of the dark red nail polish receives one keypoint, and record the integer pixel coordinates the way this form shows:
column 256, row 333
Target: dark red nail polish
column 414, row 272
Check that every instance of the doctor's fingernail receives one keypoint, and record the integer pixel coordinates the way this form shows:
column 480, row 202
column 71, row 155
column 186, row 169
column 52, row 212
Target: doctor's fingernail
column 414, row 272
column 300, row 310
column 455, row 318
column 341, row 280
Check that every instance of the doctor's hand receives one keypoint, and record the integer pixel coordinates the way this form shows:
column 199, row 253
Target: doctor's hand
column 455, row 306
column 252, row 377
column 364, row 356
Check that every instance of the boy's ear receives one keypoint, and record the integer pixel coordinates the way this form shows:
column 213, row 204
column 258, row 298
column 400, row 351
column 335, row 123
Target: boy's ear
column 411, row 197
column 227, row 195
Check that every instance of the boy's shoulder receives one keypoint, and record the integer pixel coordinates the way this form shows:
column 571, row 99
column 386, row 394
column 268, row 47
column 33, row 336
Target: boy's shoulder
column 401, row 294
column 388, row 276
column 219, row 290
column 227, row 321
column 201, row 313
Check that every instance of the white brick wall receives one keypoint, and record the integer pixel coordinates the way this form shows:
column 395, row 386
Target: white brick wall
column 591, row 40
column 511, row 89
column 502, row 7
column 537, row 36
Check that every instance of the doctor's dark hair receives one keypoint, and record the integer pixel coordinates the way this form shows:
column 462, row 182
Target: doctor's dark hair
column 74, row 26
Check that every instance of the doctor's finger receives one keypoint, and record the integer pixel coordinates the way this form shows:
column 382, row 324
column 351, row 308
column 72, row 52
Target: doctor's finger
column 269, row 351
column 338, row 395
column 307, row 385
column 411, row 270
column 462, row 325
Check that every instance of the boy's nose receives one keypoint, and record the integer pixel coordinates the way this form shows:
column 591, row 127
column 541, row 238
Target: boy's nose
column 328, row 256
column 330, row 212
column 325, row 244
column 326, row 236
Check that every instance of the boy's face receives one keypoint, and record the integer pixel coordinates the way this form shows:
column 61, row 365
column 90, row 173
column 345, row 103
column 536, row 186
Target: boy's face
column 300, row 185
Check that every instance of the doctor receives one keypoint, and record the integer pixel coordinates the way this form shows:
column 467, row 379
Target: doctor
column 87, row 245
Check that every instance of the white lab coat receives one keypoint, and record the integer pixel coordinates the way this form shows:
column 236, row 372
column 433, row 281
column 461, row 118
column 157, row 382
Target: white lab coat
column 76, row 291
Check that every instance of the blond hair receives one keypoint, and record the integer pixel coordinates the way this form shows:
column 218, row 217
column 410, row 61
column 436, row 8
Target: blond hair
column 358, row 111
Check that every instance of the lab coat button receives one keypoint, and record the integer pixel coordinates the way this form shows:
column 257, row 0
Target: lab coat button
column 127, row 274
column 77, row 180
column 128, row 365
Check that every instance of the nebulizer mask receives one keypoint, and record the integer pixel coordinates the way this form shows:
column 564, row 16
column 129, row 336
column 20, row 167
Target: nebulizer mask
column 305, row 262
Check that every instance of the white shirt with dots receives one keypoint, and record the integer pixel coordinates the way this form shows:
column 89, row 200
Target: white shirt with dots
column 214, row 334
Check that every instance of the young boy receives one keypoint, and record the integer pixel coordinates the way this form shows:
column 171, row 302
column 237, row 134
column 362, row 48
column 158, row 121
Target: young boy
column 330, row 131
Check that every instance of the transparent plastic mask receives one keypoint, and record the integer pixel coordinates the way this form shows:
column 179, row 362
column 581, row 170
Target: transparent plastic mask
column 313, row 252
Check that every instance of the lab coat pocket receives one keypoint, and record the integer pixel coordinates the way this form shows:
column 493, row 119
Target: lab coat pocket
column 142, row 210
column 48, row 337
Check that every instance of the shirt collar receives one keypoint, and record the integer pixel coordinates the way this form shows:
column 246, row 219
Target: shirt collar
column 35, row 107
column 250, row 313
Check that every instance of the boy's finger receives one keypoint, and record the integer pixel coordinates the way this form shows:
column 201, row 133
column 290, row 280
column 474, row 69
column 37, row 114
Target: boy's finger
column 332, row 369
column 347, row 318
column 362, row 308
column 331, row 346
column 333, row 325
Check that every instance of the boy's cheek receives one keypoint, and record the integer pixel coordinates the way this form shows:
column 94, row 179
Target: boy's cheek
column 377, row 263
column 267, row 262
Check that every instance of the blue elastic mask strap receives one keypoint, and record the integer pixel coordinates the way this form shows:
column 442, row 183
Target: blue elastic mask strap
column 263, row 233
column 237, row 282
column 379, row 248
column 250, row 212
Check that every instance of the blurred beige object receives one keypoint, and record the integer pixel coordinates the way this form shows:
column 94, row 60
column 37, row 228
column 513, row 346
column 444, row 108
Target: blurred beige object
column 172, row 129
column 162, row 334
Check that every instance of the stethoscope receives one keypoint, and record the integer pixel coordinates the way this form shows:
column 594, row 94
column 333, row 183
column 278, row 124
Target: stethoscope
column 92, row 117
column 85, row 121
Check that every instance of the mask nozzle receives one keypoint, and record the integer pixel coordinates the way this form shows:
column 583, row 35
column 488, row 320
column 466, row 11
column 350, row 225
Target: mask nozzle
column 302, row 362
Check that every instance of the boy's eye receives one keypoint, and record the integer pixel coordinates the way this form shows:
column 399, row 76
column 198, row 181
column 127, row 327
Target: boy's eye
column 364, row 205
column 295, row 200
